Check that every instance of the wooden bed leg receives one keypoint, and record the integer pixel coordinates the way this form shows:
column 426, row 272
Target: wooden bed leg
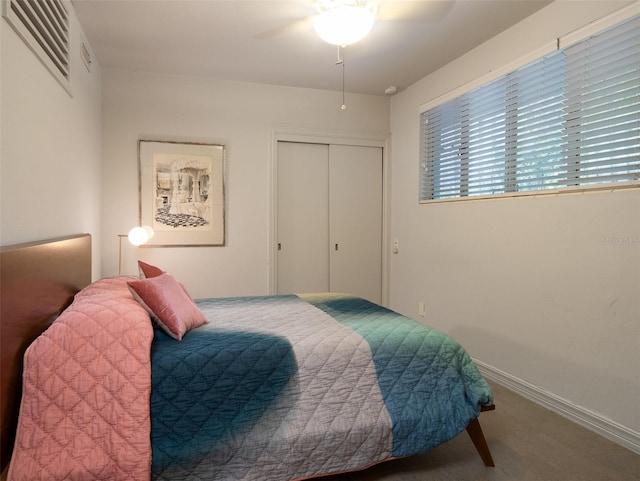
column 477, row 436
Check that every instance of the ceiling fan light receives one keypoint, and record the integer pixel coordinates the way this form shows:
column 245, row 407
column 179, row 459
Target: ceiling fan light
column 343, row 25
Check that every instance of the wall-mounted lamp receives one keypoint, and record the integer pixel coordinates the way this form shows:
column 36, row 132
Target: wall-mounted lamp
column 137, row 236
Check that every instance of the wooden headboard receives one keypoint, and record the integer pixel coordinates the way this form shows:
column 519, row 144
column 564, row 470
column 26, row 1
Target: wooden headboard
column 37, row 281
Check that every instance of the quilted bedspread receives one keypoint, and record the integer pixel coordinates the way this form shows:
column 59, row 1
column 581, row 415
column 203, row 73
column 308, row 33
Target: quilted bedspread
column 293, row 387
column 273, row 388
column 86, row 386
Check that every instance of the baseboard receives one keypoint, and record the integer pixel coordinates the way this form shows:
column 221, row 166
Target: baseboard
column 608, row 428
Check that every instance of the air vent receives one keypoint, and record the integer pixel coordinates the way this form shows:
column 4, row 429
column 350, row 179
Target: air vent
column 44, row 26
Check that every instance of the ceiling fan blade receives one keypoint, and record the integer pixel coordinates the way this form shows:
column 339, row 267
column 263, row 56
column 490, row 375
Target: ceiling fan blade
column 288, row 28
column 413, row 10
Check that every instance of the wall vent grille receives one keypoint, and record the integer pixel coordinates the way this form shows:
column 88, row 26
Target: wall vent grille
column 44, row 26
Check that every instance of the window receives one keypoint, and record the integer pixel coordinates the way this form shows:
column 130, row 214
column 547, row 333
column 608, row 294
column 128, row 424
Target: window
column 570, row 119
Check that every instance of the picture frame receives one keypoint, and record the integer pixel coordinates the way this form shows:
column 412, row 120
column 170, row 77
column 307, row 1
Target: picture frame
column 181, row 191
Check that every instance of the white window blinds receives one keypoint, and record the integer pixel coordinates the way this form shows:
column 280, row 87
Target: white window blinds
column 603, row 106
column 571, row 118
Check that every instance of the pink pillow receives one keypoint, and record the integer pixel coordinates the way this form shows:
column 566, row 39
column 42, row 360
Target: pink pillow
column 168, row 303
column 147, row 270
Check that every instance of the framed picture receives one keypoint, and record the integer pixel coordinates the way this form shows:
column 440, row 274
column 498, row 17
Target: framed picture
column 182, row 193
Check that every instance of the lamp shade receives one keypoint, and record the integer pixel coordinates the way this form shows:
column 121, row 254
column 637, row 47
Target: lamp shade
column 140, row 235
column 344, row 25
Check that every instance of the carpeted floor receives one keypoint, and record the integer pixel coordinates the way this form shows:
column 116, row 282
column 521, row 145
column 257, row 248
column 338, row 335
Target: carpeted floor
column 527, row 441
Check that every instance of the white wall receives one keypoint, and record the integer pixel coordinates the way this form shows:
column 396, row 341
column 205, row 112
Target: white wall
column 542, row 289
column 50, row 148
column 239, row 115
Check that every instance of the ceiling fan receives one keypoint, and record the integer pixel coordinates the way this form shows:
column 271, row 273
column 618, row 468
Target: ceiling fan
column 343, row 22
column 327, row 15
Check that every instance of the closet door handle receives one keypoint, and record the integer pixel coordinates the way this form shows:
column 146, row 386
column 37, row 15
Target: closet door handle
column 336, row 246
column 279, row 246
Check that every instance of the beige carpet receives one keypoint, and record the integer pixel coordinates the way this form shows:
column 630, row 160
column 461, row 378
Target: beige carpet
column 527, row 441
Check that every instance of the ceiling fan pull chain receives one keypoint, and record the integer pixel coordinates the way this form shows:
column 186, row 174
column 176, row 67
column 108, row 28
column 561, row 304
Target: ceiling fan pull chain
column 340, row 62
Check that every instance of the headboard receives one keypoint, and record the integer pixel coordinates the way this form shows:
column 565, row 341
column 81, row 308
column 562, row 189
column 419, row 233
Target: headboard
column 37, row 281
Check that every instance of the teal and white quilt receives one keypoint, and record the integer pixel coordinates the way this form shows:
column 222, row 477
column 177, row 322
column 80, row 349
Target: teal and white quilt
column 281, row 388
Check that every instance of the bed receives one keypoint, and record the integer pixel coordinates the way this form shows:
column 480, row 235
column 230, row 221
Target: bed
column 247, row 388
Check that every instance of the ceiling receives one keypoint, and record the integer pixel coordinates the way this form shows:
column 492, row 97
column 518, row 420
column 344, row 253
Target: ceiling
column 273, row 41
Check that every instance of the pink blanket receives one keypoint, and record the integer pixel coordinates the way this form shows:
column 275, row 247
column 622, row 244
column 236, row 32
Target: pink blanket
column 87, row 383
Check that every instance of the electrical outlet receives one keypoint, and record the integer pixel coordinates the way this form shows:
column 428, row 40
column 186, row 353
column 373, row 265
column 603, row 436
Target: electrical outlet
column 421, row 309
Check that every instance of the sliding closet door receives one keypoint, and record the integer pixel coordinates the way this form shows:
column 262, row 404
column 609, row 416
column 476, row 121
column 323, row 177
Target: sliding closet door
column 355, row 213
column 302, row 217
column 329, row 219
